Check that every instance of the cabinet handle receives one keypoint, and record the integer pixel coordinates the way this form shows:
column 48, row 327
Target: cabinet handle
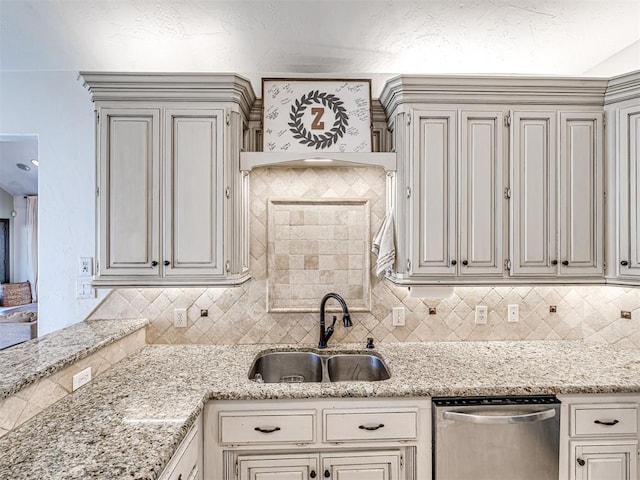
column 180, row 477
column 624, row 263
column 327, row 474
column 154, row 263
column 371, row 427
column 554, row 262
column 465, row 263
column 267, row 430
column 453, row 262
column 608, row 424
column 166, row 263
column 580, row 461
column 565, row 262
column 312, row 474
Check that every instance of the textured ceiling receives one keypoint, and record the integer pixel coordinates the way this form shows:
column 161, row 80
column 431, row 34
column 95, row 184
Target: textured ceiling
column 330, row 38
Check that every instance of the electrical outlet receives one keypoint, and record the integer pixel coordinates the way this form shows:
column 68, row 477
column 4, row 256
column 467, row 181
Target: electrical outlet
column 513, row 314
column 84, row 288
column 180, row 317
column 481, row 314
column 85, row 267
column 81, row 378
column 397, row 316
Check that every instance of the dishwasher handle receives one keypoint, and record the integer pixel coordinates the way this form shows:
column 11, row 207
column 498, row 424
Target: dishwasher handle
column 500, row 419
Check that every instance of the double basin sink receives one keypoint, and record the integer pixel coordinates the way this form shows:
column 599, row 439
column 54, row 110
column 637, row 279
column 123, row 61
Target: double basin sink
column 297, row 367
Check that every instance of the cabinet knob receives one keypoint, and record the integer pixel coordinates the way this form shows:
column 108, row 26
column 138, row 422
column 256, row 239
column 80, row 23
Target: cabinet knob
column 554, row 262
column 624, row 263
column 565, row 262
column 465, row 263
column 154, row 263
column 312, row 474
column 580, row 461
column 166, row 263
column 327, row 474
column 453, row 262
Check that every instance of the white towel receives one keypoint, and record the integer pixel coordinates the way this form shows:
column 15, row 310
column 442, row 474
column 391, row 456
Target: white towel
column 384, row 247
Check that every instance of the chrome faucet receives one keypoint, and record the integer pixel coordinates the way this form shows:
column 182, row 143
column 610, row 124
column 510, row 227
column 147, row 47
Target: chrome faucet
column 325, row 335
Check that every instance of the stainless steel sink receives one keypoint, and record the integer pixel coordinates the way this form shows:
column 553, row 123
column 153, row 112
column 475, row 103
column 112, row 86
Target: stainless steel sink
column 287, row 367
column 297, row 367
column 356, row 368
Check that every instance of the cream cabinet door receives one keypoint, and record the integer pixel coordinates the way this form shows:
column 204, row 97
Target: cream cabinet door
column 581, row 194
column 278, row 467
column 361, row 466
column 607, row 461
column 193, row 192
column 481, row 193
column 128, row 192
column 628, row 175
column 434, row 203
column 534, row 245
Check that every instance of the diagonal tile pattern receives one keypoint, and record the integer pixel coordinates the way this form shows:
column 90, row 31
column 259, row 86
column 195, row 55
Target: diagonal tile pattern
column 239, row 315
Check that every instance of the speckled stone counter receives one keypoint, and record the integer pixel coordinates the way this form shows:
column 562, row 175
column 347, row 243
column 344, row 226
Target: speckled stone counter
column 128, row 422
column 23, row 364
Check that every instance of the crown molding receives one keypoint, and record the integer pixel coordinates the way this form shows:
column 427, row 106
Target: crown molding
column 622, row 88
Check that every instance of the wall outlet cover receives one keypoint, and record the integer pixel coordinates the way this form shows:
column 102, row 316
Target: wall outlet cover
column 482, row 312
column 180, row 317
column 513, row 313
column 85, row 268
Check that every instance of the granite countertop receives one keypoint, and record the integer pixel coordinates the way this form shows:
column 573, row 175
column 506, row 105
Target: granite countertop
column 24, row 364
column 128, row 422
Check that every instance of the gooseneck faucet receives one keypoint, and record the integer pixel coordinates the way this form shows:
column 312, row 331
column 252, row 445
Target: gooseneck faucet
column 325, row 335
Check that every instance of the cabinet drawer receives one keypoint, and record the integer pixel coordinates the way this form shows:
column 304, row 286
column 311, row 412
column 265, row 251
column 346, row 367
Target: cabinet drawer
column 239, row 428
column 599, row 420
column 354, row 426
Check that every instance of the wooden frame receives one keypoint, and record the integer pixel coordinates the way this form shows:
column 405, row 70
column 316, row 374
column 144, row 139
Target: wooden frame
column 316, row 115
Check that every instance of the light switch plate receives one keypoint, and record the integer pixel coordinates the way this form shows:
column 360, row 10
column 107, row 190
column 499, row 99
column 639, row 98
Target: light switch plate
column 513, row 313
column 84, row 288
column 397, row 319
column 81, row 378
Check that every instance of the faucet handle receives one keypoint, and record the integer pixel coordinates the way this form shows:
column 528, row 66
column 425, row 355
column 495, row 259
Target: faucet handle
column 370, row 343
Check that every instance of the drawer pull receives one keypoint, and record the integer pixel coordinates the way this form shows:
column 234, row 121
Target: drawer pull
column 267, row 430
column 608, row 424
column 371, row 427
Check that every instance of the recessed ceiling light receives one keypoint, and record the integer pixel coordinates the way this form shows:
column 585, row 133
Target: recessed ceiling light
column 35, row 162
column 24, row 167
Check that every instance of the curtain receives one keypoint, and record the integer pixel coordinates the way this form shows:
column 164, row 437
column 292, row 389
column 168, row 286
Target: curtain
column 32, row 245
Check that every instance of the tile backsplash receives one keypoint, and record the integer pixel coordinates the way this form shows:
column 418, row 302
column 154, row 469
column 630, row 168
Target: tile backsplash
column 240, row 314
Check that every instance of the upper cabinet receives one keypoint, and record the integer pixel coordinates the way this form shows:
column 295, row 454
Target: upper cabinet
column 623, row 174
column 499, row 180
column 172, row 202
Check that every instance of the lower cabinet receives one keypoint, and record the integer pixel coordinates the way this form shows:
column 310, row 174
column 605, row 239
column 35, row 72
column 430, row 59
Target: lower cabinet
column 186, row 463
column 324, row 439
column 599, row 437
column 384, row 465
column 604, row 460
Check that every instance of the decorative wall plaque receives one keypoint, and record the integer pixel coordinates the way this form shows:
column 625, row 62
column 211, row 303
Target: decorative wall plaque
column 316, row 115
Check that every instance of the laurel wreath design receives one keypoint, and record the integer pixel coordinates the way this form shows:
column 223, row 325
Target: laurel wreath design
column 326, row 139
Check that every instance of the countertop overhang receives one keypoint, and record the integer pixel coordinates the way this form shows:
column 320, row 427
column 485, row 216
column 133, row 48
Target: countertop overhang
column 128, row 422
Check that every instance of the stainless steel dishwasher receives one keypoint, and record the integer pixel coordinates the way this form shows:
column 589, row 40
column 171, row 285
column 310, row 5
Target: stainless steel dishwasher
column 496, row 438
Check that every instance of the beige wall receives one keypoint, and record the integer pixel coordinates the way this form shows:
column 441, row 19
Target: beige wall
column 239, row 315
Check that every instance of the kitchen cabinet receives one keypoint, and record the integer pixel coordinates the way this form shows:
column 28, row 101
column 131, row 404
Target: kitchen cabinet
column 498, row 181
column 343, row 439
column 599, row 437
column 556, row 213
column 186, row 463
column 625, row 263
column 172, row 203
column 456, row 221
column 348, row 466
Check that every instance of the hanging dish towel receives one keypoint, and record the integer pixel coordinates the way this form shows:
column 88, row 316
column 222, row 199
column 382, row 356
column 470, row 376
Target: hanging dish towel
column 384, row 246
